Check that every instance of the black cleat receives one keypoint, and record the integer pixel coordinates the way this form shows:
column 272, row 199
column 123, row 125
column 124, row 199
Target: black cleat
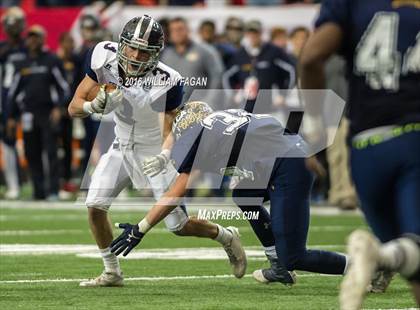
column 276, row 273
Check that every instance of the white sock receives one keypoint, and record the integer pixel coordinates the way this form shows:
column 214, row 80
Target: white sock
column 224, row 236
column 346, row 267
column 402, row 255
column 110, row 260
column 270, row 251
column 10, row 169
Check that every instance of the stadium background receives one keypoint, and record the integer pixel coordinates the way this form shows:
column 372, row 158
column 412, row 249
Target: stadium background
column 46, row 248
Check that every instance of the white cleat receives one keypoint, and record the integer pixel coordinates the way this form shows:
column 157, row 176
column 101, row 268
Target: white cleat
column 236, row 253
column 380, row 281
column 11, row 194
column 105, row 279
column 363, row 249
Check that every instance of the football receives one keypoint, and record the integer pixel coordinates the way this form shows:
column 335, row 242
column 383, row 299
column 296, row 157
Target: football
column 94, row 91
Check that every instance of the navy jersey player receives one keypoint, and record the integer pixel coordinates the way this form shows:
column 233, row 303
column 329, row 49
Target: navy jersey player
column 381, row 43
column 12, row 51
column 137, row 108
column 267, row 164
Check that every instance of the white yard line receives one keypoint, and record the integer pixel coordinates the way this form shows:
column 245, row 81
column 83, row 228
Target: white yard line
column 135, row 204
column 159, row 230
column 42, row 232
column 87, row 250
column 221, row 276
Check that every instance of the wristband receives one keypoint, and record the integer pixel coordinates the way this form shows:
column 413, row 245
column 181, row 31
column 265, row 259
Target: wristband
column 166, row 153
column 87, row 107
column 144, row 226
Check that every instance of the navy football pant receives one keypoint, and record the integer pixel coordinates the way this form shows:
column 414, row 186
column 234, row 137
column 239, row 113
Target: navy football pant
column 289, row 192
column 387, row 180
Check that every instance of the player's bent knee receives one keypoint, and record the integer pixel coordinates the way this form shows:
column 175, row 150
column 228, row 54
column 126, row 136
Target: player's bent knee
column 95, row 209
column 176, row 221
column 185, row 228
column 178, row 228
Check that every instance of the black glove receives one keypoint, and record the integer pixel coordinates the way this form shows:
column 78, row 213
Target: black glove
column 130, row 237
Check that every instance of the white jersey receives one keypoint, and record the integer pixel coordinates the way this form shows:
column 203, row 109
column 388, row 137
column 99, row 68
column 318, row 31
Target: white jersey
column 135, row 119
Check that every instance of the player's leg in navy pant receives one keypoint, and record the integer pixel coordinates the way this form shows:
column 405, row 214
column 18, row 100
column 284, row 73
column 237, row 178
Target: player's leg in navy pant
column 289, row 193
column 408, row 184
column 387, row 179
column 249, row 200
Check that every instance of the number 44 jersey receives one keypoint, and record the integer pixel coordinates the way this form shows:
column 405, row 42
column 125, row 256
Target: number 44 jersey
column 136, row 119
column 381, row 44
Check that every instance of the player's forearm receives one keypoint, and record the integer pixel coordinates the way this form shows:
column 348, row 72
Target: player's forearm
column 161, row 210
column 312, row 75
column 167, row 137
column 169, row 201
column 76, row 108
column 168, row 142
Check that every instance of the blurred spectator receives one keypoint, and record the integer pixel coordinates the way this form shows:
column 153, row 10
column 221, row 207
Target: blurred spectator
column 258, row 65
column 207, row 32
column 90, row 29
column 12, row 50
column 342, row 192
column 164, row 22
column 278, row 37
column 234, row 31
column 297, row 38
column 193, row 60
column 73, row 73
column 39, row 110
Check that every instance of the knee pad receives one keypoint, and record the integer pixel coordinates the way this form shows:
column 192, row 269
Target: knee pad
column 104, row 208
column 176, row 220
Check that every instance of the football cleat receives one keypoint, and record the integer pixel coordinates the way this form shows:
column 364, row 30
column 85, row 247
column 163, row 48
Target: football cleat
column 236, row 253
column 363, row 249
column 276, row 273
column 105, row 279
column 380, row 281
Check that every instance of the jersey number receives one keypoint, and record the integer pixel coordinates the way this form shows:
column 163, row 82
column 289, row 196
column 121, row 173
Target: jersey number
column 232, row 121
column 109, row 47
column 377, row 56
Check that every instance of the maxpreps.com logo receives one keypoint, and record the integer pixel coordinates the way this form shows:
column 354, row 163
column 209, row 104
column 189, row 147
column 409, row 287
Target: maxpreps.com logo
column 212, row 215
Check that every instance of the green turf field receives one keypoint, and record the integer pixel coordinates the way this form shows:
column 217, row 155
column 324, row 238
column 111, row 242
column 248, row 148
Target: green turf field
column 49, row 279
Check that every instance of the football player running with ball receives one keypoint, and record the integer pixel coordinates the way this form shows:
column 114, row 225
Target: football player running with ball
column 265, row 164
column 381, row 43
column 140, row 110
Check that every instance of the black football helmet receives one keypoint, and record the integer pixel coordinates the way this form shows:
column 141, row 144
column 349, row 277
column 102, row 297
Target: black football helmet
column 145, row 34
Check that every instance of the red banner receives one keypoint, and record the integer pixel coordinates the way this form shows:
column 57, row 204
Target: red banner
column 54, row 20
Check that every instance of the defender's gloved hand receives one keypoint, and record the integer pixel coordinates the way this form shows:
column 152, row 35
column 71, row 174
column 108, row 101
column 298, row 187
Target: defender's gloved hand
column 237, row 175
column 130, row 237
column 104, row 102
column 154, row 165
